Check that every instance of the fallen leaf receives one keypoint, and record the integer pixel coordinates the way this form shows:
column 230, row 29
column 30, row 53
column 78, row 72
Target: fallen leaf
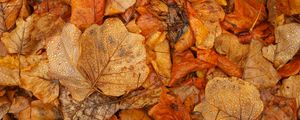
column 116, row 61
column 114, row 7
column 229, row 67
column 208, row 56
column 56, row 7
column 63, row 52
column 287, row 43
column 3, row 51
column 37, row 111
column 245, row 14
column 289, row 69
column 229, row 45
column 258, row 70
column 185, row 41
column 96, row 106
column 4, row 106
column 290, row 89
column 9, row 77
column 133, row 27
column 269, row 52
column 134, row 114
column 170, row 107
column 87, row 12
column 276, row 107
column 18, row 104
column 231, row 98
column 290, row 7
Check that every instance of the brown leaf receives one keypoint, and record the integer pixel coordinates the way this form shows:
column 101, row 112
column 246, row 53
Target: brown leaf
column 87, row 12
column 231, row 98
column 114, row 7
column 287, row 43
column 19, row 103
column 289, row 7
column 170, row 107
column 63, row 52
column 245, row 13
column 185, row 41
column 3, row 51
column 56, row 7
column 258, row 70
column 4, row 106
column 96, row 106
column 134, row 114
column 113, row 59
column 37, row 111
column 229, row 67
column 289, row 69
column 290, row 89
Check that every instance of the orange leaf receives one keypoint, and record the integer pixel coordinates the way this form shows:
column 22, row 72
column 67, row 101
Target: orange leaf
column 56, row 7
column 170, row 107
column 87, row 12
column 229, row 67
column 289, row 69
column 207, row 55
column 185, row 41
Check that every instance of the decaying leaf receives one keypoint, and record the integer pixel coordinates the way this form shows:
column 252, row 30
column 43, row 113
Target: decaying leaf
column 169, row 107
column 96, row 107
column 133, row 114
column 63, row 52
column 287, row 43
column 258, row 70
column 113, row 59
column 229, row 45
column 290, row 88
column 87, row 12
column 113, row 7
column 231, row 99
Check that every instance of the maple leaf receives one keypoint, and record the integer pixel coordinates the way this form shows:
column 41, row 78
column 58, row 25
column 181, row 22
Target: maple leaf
column 231, row 98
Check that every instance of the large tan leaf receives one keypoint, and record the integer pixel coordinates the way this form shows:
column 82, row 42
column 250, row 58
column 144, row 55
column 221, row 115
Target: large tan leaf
column 87, row 12
column 112, row 58
column 117, row 6
column 288, row 43
column 258, row 70
column 290, row 88
column 231, row 99
column 94, row 107
column 63, row 52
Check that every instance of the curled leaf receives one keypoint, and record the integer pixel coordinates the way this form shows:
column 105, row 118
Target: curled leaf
column 289, row 69
column 185, row 41
column 231, row 98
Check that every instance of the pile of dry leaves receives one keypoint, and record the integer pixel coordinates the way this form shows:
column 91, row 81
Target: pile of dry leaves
column 149, row 59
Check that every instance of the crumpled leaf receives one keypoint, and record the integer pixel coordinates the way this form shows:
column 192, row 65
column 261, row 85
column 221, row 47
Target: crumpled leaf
column 113, row 7
column 87, row 12
column 231, row 99
column 278, row 108
column 134, row 114
column 40, row 111
column 170, row 107
column 287, row 43
column 258, row 70
column 36, row 80
column 229, row 45
column 290, row 88
column 244, row 15
column 96, row 107
column 116, row 61
column 63, row 52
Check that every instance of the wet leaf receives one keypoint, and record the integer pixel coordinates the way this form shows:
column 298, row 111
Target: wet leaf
column 87, row 12
column 113, row 59
column 134, row 114
column 170, row 107
column 63, row 52
column 231, row 99
column 113, row 7
column 287, row 43
column 258, row 70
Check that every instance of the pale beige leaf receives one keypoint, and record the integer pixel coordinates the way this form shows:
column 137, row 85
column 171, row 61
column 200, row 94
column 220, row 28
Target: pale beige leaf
column 288, row 43
column 94, row 107
column 112, row 58
column 36, row 80
column 63, row 52
column 117, row 6
column 269, row 52
column 231, row 99
column 290, row 88
column 229, row 45
column 258, row 70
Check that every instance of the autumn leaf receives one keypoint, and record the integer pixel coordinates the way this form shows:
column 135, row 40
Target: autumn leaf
column 18, row 104
column 287, row 43
column 170, row 107
column 186, row 41
column 112, row 59
column 290, row 89
column 245, row 14
column 289, row 69
column 231, row 98
column 229, row 67
column 134, row 114
column 56, row 7
column 87, row 12
column 113, row 7
column 258, row 70
column 4, row 105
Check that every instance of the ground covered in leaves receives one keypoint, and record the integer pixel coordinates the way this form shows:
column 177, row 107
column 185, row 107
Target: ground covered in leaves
column 149, row 59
